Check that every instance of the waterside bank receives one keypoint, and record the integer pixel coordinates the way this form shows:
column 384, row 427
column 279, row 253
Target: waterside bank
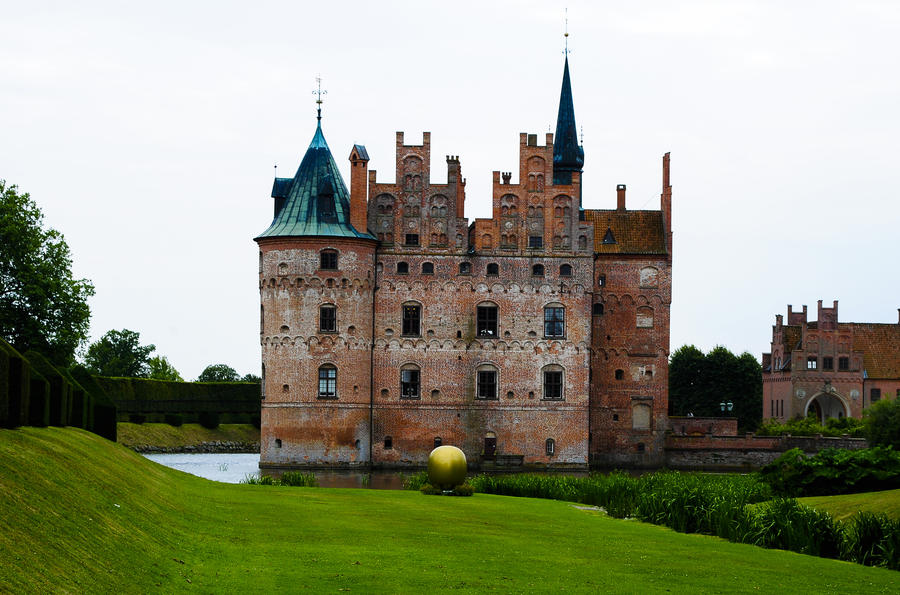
column 150, row 438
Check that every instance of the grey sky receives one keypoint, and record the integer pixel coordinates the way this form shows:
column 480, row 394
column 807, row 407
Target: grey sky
column 147, row 134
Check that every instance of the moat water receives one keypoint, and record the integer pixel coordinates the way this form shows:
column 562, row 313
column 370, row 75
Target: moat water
column 234, row 467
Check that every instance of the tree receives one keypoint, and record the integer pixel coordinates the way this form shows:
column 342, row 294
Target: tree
column 42, row 307
column 161, row 369
column 882, row 423
column 251, row 378
column 699, row 384
column 218, row 373
column 119, row 353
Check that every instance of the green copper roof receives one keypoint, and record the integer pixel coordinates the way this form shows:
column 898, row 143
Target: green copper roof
column 315, row 202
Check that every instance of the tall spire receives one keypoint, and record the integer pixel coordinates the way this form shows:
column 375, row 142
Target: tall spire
column 568, row 156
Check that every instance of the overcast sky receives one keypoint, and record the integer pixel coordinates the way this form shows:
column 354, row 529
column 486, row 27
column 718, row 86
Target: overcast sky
column 147, row 134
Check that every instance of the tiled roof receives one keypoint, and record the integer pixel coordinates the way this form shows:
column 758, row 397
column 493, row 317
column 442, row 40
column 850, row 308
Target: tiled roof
column 316, row 201
column 635, row 232
column 880, row 344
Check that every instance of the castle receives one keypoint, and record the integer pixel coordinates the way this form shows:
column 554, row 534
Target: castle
column 390, row 324
column 828, row 368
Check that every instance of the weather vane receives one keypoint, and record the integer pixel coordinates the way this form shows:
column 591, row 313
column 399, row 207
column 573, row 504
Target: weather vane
column 566, row 34
column 318, row 93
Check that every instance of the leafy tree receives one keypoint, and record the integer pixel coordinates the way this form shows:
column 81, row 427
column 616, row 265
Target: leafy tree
column 161, row 369
column 218, row 373
column 42, row 307
column 251, row 378
column 699, row 384
column 882, row 423
column 119, row 353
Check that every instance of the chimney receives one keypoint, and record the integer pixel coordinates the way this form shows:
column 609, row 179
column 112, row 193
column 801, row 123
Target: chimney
column 620, row 197
column 359, row 163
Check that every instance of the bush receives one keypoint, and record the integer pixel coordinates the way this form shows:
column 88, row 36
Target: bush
column 174, row 419
column 137, row 418
column 430, row 490
column 809, row 426
column 462, row 490
column 209, row 419
column 882, row 423
column 415, row 481
column 833, row 471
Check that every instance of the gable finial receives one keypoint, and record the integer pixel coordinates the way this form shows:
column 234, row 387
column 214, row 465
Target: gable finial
column 318, row 93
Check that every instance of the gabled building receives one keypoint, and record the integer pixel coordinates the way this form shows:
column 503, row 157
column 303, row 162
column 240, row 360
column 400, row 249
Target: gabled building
column 828, row 368
column 390, row 324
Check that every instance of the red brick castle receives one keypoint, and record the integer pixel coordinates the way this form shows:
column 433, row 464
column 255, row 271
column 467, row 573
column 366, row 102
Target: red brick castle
column 390, row 324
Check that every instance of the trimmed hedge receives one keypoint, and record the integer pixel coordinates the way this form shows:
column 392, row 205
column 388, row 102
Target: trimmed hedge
column 60, row 388
column 38, row 400
column 102, row 414
column 153, row 400
column 833, row 471
column 4, row 389
column 18, row 376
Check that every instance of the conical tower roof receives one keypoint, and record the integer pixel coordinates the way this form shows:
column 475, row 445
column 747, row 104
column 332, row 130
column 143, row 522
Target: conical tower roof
column 315, row 202
column 568, row 156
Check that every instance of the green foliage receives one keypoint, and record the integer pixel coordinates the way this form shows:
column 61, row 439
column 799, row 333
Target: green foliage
column 809, row 426
column 209, row 419
column 251, row 378
column 161, row 369
column 174, row 419
column 42, row 306
column 218, row 373
column 119, row 353
column 102, row 414
column 430, row 490
column 786, row 524
column 882, row 423
column 699, row 383
column 60, row 388
column 873, row 539
column 298, row 479
column 415, row 480
column 833, row 471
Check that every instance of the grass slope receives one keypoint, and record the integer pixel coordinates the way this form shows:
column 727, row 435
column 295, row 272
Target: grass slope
column 845, row 506
column 80, row 514
column 164, row 435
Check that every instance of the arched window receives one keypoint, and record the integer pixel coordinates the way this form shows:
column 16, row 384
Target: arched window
column 327, row 318
column 640, row 416
column 565, row 270
column 486, row 379
column 402, row 268
column 649, row 277
column 598, row 309
column 437, row 441
column 328, row 260
column 550, row 447
column 487, row 320
column 465, row 268
column 388, row 443
column 644, row 318
column 601, row 280
column 553, row 382
column 409, row 381
column 620, row 374
column 427, row 268
column 412, row 317
column 486, row 241
column 493, row 269
column 554, row 320
column 537, row 270
column 327, row 382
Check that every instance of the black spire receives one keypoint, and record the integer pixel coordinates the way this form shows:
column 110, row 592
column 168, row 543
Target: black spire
column 568, row 156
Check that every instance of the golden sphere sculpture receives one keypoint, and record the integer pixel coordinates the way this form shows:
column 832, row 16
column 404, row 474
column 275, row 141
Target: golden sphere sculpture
column 446, row 467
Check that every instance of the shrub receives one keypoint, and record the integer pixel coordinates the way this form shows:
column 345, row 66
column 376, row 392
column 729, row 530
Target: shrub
column 882, row 423
column 809, row 426
column 415, row 481
column 137, row 418
column 463, row 490
column 430, row 490
column 258, row 479
column 209, row 419
column 833, row 471
column 174, row 419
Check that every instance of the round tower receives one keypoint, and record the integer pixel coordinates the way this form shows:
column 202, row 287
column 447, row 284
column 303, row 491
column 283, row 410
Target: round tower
column 316, row 281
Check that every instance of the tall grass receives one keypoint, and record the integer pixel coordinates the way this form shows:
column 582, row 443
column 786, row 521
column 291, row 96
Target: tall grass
column 735, row 507
column 288, row 478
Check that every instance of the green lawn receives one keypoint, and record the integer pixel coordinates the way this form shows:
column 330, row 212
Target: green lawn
column 80, row 514
column 845, row 506
column 185, row 435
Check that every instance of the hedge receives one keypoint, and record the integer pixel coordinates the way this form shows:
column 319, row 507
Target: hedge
column 60, row 388
column 102, row 413
column 38, row 400
column 4, row 389
column 17, row 387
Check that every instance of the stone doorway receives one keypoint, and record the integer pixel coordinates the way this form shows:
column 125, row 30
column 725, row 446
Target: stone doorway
column 826, row 405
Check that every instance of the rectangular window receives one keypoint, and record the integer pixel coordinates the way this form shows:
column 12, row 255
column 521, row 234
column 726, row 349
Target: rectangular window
column 487, row 384
column 411, row 316
column 553, row 385
column 535, row 241
column 327, row 319
column 843, row 363
column 328, row 260
column 811, row 363
column 487, row 321
column 875, row 395
column 412, row 239
column 828, row 363
column 554, row 321
column 409, row 384
column 327, row 383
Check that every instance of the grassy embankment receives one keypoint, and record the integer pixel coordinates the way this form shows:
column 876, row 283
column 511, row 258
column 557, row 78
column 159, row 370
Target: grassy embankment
column 845, row 506
column 80, row 514
column 166, row 436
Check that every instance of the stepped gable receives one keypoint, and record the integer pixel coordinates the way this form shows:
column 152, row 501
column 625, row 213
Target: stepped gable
column 315, row 202
column 635, row 232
